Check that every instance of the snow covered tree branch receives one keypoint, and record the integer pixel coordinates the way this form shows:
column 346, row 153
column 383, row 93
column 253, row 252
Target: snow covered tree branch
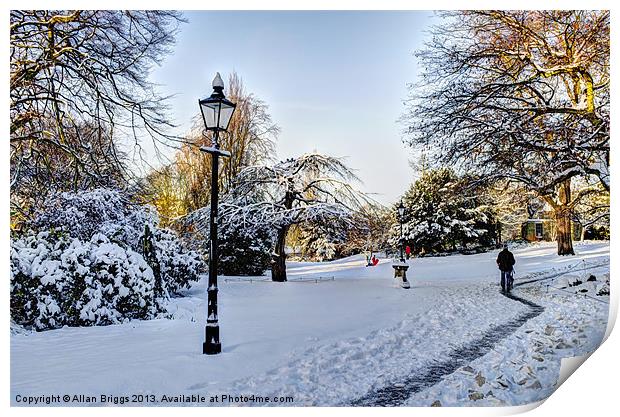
column 78, row 88
column 520, row 95
column 311, row 188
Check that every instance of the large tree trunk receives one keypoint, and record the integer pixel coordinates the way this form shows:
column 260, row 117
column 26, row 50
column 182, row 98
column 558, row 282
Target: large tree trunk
column 564, row 232
column 278, row 262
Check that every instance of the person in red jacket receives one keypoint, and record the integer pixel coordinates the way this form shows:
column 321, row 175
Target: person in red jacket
column 408, row 251
column 375, row 261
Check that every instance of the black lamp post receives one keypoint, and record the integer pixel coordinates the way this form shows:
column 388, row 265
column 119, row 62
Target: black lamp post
column 216, row 113
column 401, row 219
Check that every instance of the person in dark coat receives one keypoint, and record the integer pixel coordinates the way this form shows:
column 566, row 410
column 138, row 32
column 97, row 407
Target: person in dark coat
column 505, row 262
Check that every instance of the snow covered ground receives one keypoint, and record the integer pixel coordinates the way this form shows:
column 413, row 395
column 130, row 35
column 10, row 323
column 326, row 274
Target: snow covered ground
column 524, row 367
column 335, row 341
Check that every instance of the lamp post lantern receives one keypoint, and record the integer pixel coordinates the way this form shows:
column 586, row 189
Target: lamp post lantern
column 401, row 219
column 216, row 113
column 400, row 268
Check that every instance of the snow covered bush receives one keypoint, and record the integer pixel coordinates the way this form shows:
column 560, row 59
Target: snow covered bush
column 84, row 261
column 178, row 266
column 81, row 215
column 244, row 249
column 57, row 281
column 119, row 287
column 323, row 249
column 35, row 262
column 111, row 213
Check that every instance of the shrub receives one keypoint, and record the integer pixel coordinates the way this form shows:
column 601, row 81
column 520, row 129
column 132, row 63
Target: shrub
column 244, row 251
column 112, row 214
column 95, row 258
column 57, row 281
column 178, row 266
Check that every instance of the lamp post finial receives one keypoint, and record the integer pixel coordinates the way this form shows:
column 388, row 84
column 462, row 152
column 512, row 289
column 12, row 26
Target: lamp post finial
column 217, row 81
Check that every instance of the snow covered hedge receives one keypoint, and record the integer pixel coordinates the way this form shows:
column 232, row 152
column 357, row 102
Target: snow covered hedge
column 95, row 258
column 56, row 281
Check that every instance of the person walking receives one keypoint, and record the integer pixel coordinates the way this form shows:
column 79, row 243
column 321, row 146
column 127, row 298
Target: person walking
column 505, row 262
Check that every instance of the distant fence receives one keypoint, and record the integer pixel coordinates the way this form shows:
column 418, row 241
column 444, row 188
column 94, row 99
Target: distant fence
column 252, row 280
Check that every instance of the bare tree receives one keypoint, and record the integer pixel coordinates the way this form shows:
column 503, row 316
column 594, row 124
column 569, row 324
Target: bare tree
column 368, row 231
column 593, row 209
column 520, row 95
column 250, row 140
column 42, row 169
column 77, row 69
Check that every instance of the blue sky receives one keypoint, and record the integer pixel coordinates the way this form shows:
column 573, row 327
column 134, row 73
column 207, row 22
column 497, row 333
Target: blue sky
column 334, row 80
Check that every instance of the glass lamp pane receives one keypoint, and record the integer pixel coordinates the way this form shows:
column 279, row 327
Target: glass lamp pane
column 210, row 113
column 225, row 116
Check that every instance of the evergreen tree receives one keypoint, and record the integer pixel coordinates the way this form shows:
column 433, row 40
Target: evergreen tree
column 443, row 215
column 244, row 249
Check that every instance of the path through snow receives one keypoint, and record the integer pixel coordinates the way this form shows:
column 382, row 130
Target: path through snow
column 396, row 394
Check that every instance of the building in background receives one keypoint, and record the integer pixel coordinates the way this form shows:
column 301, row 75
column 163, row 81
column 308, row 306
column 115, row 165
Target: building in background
column 543, row 228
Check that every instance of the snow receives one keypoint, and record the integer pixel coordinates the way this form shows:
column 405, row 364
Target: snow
column 329, row 342
column 216, row 151
column 525, row 367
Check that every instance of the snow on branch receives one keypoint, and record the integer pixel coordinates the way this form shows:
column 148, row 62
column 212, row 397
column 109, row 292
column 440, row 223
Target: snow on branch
column 310, row 188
